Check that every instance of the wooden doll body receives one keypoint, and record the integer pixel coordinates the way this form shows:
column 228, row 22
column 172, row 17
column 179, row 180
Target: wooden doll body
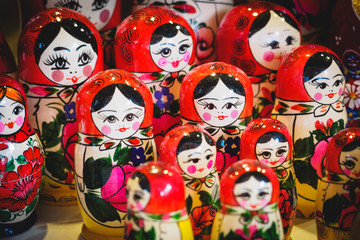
column 157, row 45
column 313, row 112
column 203, row 16
column 338, row 198
column 113, row 140
column 218, row 97
column 21, row 161
column 58, row 51
column 156, row 204
column 192, row 151
column 249, row 210
column 269, row 141
column 255, row 37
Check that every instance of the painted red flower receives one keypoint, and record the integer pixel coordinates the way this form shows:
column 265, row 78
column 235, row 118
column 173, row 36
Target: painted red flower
column 69, row 140
column 202, row 217
column 224, row 160
column 286, row 209
column 19, row 189
column 205, row 48
column 317, row 158
column 34, row 156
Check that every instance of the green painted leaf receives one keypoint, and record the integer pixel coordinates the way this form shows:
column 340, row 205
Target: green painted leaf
column 175, row 107
column 5, row 216
column 304, row 147
column 122, row 155
column 205, row 198
column 332, row 209
column 156, row 111
column 337, row 127
column 10, row 166
column 101, row 209
column 57, row 164
column 189, row 203
column 220, row 143
column 305, row 173
column 319, row 135
column 97, row 172
column 21, row 159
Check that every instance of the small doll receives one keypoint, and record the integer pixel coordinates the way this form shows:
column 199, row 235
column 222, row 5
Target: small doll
column 114, row 110
column 309, row 102
column 157, row 45
column 192, row 151
column 218, row 97
column 156, row 204
column 21, row 161
column 255, row 37
column 59, row 50
column 338, row 197
column 7, row 61
column 249, row 203
column 203, row 16
column 269, row 141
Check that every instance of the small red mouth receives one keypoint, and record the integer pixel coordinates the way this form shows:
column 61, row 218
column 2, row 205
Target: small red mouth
column 221, row 117
column 74, row 79
column 253, row 206
column 201, row 169
column 123, row 129
column 330, row 95
column 175, row 64
column 273, row 163
column 10, row 124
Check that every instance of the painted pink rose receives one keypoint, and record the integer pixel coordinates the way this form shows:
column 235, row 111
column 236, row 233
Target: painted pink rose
column 317, row 158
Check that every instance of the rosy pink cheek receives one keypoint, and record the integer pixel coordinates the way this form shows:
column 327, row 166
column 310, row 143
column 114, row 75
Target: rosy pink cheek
column 234, row 114
column 136, row 126
column 104, row 15
column 186, row 56
column 347, row 171
column 263, row 160
column 191, row 169
column 162, row 62
column 87, row 71
column 57, row 76
column 210, row 164
column 318, row 96
column 19, row 120
column 264, row 202
column 340, row 91
column 269, row 56
column 106, row 130
column 139, row 206
column 207, row 116
column 2, row 127
column 242, row 203
column 282, row 159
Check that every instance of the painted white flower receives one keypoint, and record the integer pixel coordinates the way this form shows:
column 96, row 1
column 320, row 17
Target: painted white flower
column 352, row 96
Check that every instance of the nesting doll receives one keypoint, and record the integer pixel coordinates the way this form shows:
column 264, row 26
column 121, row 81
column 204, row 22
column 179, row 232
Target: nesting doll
column 269, row 141
column 249, row 203
column 114, row 110
column 218, row 97
column 104, row 14
column 59, row 50
column 344, row 28
column 309, row 101
column 192, row 151
column 21, row 161
column 7, row 61
column 203, row 16
column 338, row 198
column 156, row 204
column 157, row 45
column 255, row 37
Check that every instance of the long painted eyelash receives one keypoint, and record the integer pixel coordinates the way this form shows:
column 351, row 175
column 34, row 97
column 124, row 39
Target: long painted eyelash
column 203, row 103
column 52, row 59
column 72, row 4
column 157, row 52
column 87, row 52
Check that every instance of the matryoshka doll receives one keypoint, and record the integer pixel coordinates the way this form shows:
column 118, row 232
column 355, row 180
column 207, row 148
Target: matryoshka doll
column 203, row 16
column 218, row 97
column 249, row 203
column 157, row 45
column 338, row 198
column 269, row 141
column 114, row 110
column 21, row 161
column 59, row 49
column 7, row 61
column 255, row 37
column 309, row 101
column 156, row 204
column 192, row 151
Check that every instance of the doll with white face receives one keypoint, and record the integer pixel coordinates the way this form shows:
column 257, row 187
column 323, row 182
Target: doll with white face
column 339, row 189
column 156, row 204
column 21, row 161
column 310, row 104
column 59, row 51
column 193, row 152
column 250, row 211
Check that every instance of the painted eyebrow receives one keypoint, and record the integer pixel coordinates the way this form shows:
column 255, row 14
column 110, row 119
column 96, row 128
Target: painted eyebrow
column 236, row 98
column 209, row 99
column 208, row 150
column 184, row 40
column 320, row 78
column 80, row 47
column 351, row 158
column 107, row 111
column 167, row 44
column 337, row 75
column 136, row 108
column 193, row 154
column 61, row 48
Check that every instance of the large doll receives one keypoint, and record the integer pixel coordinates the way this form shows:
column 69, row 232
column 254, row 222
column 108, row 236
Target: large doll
column 192, row 151
column 218, row 97
column 157, row 45
column 59, row 50
column 309, row 101
column 269, row 141
column 338, row 198
column 156, row 204
column 249, row 203
column 115, row 135
column 255, row 37
column 21, row 161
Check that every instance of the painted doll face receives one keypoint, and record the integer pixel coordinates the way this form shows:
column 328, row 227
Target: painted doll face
column 172, row 54
column 272, row 153
column 270, row 44
column 67, row 61
column 119, row 121
column 199, row 162
column 221, row 107
column 99, row 12
column 137, row 197
column 253, row 195
column 350, row 163
column 326, row 87
column 12, row 115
